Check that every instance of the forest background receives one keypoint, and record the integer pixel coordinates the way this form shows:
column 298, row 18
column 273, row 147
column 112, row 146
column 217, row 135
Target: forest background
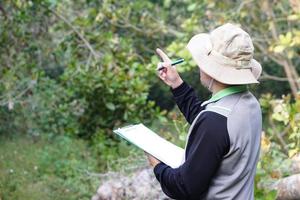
column 72, row 71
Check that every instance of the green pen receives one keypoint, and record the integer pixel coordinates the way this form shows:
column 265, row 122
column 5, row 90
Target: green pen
column 176, row 62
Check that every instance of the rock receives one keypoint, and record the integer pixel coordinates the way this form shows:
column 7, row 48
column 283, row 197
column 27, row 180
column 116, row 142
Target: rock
column 140, row 185
column 288, row 188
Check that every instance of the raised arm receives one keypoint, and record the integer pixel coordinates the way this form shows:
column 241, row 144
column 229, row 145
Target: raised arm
column 184, row 95
column 187, row 101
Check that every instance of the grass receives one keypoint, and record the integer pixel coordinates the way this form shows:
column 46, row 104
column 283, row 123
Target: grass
column 46, row 169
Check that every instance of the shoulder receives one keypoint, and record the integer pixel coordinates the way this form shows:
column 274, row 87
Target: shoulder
column 211, row 120
column 211, row 130
column 211, row 125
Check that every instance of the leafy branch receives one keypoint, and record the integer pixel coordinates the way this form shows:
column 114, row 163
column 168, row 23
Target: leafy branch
column 97, row 55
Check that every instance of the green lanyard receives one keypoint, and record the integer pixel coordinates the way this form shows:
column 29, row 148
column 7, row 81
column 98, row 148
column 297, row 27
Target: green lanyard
column 226, row 92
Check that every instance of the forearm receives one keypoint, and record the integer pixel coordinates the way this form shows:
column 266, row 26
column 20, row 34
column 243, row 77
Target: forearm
column 187, row 101
column 171, row 181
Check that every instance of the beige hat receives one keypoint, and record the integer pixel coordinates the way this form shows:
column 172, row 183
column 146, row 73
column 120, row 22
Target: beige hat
column 226, row 54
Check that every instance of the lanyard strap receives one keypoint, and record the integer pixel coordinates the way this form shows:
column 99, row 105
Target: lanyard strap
column 226, row 92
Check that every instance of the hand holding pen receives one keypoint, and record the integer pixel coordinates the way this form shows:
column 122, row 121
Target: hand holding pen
column 166, row 70
column 176, row 62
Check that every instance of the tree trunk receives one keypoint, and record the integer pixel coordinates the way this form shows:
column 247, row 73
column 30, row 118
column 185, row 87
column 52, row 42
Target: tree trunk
column 295, row 74
column 288, row 67
column 292, row 77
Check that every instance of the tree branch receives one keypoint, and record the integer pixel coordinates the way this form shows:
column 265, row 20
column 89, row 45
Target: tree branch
column 266, row 53
column 266, row 76
column 271, row 16
column 16, row 97
column 279, row 137
column 3, row 11
column 87, row 44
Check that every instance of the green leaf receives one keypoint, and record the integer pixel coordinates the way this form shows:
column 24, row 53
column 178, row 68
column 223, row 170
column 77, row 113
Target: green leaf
column 192, row 7
column 110, row 106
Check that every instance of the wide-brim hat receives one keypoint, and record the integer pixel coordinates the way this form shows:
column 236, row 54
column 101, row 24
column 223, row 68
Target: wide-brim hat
column 226, row 54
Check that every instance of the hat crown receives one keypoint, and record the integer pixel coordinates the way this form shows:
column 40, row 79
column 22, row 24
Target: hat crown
column 226, row 54
column 232, row 42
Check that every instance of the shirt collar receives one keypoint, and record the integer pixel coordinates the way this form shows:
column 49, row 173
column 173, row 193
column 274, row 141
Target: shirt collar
column 225, row 92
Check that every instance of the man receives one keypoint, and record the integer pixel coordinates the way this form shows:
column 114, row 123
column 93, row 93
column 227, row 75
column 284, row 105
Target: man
column 223, row 142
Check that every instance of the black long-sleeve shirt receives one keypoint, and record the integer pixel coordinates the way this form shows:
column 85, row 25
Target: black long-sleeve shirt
column 207, row 144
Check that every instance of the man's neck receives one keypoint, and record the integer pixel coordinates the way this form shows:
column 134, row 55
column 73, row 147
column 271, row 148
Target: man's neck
column 217, row 86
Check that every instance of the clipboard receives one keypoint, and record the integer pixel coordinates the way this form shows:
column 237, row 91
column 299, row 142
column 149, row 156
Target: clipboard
column 147, row 140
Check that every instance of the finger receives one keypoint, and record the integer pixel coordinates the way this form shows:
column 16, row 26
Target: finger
column 166, row 65
column 160, row 73
column 163, row 71
column 163, row 56
column 163, row 78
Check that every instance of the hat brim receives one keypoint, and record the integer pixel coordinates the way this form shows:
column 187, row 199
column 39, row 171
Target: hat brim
column 200, row 45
